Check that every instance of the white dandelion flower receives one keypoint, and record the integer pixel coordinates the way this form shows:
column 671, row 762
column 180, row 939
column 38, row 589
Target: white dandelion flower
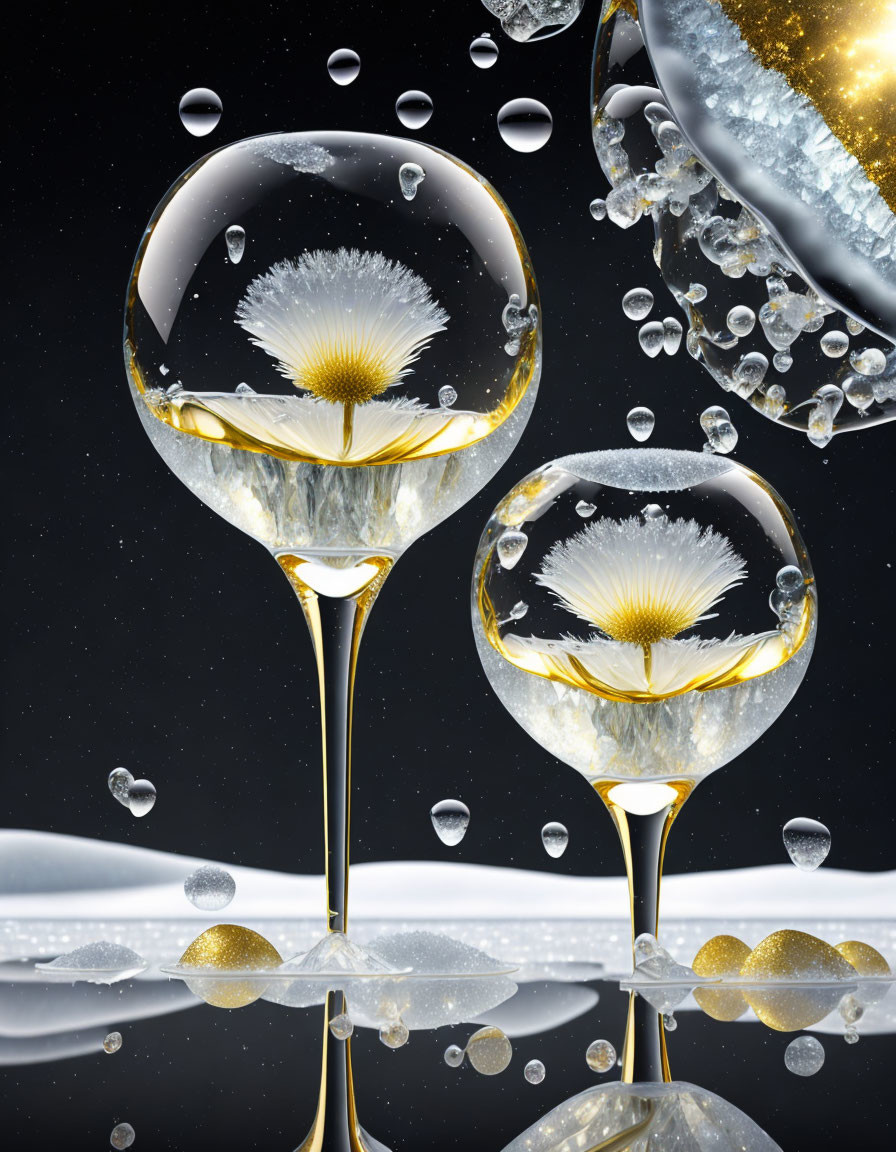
column 343, row 325
column 642, row 585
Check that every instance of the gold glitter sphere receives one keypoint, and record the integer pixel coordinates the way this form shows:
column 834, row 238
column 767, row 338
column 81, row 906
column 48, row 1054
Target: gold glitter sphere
column 229, row 947
column 721, row 956
column 794, row 956
column 866, row 960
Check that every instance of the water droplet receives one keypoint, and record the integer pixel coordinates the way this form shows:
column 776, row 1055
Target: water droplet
column 120, row 781
column 555, row 838
column 859, row 391
column 696, row 293
column 741, row 320
column 243, row 389
column 782, row 361
column 519, row 610
column 672, row 332
column 394, row 1035
column 511, row 546
column 447, row 396
column 807, row 842
column 450, row 818
column 637, row 302
column 123, row 1136
column 748, row 374
column 585, row 509
column 141, row 797
column 200, row 110
column 851, row 1036
column 489, row 1051
column 869, row 361
column 525, row 125
column 669, row 1022
column 341, row 1026
column 820, row 425
column 454, row 1056
column 413, row 108
column 854, row 327
column 804, row 1056
column 410, row 177
column 600, row 1056
column 209, row 888
column 235, row 238
column 112, row 1042
column 653, row 512
column 650, row 337
column 534, row 1071
column 721, row 435
column 484, row 51
column 640, row 421
column 834, row 344
column 343, row 66
column 851, row 1010
column 598, row 209
column 790, row 579
column 647, row 947
column 164, row 369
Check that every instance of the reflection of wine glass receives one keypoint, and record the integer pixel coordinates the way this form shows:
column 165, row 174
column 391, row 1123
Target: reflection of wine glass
column 332, row 338
column 621, row 606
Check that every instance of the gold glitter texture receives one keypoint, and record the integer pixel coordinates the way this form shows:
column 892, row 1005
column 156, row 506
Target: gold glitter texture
column 866, row 960
column 789, row 955
column 721, row 956
column 842, row 57
column 229, row 947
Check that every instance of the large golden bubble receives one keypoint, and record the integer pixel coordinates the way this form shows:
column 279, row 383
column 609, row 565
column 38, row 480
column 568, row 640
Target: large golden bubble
column 789, row 955
column 232, row 948
column 722, row 956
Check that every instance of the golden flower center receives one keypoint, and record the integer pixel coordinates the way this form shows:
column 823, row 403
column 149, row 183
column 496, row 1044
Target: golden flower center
column 345, row 375
column 639, row 623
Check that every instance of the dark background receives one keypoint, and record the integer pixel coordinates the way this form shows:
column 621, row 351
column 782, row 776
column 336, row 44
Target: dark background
column 145, row 631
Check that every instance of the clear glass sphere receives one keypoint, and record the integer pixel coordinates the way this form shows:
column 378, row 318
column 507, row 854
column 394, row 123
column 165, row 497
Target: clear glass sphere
column 333, row 338
column 645, row 614
column 819, row 356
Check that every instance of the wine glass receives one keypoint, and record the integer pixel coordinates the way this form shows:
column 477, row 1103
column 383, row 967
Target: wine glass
column 645, row 615
column 333, row 339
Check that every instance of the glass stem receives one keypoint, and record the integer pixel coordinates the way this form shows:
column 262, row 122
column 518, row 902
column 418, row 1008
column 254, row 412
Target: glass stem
column 643, row 838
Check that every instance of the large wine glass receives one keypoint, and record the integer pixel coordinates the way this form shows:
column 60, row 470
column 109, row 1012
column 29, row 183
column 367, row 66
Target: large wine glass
column 645, row 615
column 333, row 339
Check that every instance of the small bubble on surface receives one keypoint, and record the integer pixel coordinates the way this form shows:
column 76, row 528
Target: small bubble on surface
column 790, row 579
column 243, row 389
column 394, row 1035
column 519, row 610
column 450, row 819
column 669, row 1022
column 851, row 1036
column 804, row 1056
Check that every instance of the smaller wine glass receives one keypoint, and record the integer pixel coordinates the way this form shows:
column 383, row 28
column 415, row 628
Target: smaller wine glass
column 645, row 615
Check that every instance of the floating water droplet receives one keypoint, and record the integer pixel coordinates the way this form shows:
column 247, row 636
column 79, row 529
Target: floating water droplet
column 851, row 1036
column 141, row 797
column 834, row 344
column 454, row 1056
column 650, row 337
column 859, row 391
column 534, row 1071
column 741, row 320
column 653, row 512
column 721, row 435
column 484, row 51
column 869, row 361
column 450, row 818
column 164, row 369
column 235, row 238
column 200, row 110
column 519, row 610
column 600, row 1056
column 447, row 396
column 598, row 209
column 120, row 781
column 851, row 1010
column 585, row 509
column 413, row 108
column 748, row 374
column 695, row 293
column 511, row 546
column 669, row 1022
column 525, row 125
column 394, row 1035
column 790, row 579
column 209, row 888
column 410, row 177
column 820, row 425
column 489, row 1051
column 341, row 1026
column 854, row 327
column 782, row 361
column 243, row 389
column 640, row 421
column 123, row 1136
column 343, row 66
column 804, row 1056
column 112, row 1043
column 807, row 842
column 672, row 332
column 555, row 838
column 637, row 302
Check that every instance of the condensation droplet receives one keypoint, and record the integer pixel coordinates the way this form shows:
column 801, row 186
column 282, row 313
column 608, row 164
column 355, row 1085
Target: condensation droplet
column 450, row 818
column 790, row 579
column 243, row 389
column 511, row 546
column 651, row 337
column 868, row 361
column 782, row 361
column 851, row 1010
column 519, row 610
column 807, row 842
column 600, row 1056
column 447, row 396
column 669, row 1022
column 489, row 1051
column 123, row 1136
column 721, row 435
column 394, row 1035
column 343, row 66
column 804, row 1056
column 200, row 110
column 854, row 327
column 235, row 238
column 453, row 1056
column 141, row 797
column 484, row 51
column 120, row 781
column 534, row 1071
column 859, row 391
column 741, row 320
column 555, row 838
column 637, row 302
column 598, row 209
column 112, row 1043
column 410, row 177
column 525, row 125
column 413, row 108
column 209, row 888
column 640, row 422
column 834, row 344
column 851, row 1036
column 585, row 509
column 696, row 293
column 341, row 1026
